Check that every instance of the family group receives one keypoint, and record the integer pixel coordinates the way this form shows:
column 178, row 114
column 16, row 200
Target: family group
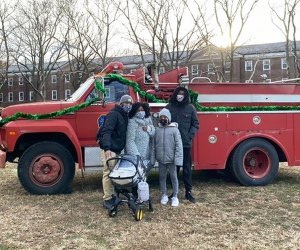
column 128, row 128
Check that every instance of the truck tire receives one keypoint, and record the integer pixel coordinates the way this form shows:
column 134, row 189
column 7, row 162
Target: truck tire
column 255, row 162
column 46, row 168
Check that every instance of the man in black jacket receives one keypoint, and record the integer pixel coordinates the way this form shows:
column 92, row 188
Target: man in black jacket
column 111, row 138
column 185, row 115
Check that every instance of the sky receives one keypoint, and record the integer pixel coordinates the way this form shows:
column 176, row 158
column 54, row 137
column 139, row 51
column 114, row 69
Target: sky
column 259, row 28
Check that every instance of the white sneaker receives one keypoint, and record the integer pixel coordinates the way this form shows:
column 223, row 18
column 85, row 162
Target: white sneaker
column 175, row 202
column 164, row 199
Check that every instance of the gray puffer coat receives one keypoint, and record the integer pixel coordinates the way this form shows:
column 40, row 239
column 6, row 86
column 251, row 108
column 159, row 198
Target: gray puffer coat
column 168, row 145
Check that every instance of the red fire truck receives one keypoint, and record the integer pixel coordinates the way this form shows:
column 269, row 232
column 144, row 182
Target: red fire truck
column 246, row 129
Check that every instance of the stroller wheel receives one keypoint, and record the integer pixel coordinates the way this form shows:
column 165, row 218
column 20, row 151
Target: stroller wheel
column 112, row 212
column 139, row 213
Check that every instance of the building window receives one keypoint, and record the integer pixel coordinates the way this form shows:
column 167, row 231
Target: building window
column 20, row 80
column 30, row 95
column 67, row 93
column 227, row 66
column 30, row 79
column 266, row 64
column 195, row 70
column 21, row 96
column 248, row 66
column 210, row 68
column 10, row 96
column 162, row 70
column 10, row 81
column 67, row 77
column 1, row 97
column 284, row 64
column 54, row 78
column 54, row 95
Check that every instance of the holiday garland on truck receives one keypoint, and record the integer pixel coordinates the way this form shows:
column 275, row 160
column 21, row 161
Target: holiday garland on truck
column 115, row 77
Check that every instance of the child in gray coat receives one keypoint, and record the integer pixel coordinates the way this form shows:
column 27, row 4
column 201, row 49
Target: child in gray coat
column 169, row 154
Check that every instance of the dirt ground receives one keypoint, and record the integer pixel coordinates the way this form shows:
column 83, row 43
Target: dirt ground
column 226, row 216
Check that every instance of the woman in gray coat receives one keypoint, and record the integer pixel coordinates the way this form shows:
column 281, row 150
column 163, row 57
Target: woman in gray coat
column 140, row 131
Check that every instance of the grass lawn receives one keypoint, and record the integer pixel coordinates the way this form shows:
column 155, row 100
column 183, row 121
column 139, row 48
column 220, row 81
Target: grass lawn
column 226, row 216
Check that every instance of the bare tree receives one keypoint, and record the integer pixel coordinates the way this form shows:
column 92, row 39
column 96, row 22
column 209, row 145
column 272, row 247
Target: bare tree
column 287, row 27
column 6, row 29
column 36, row 45
column 89, row 33
column 160, row 28
column 231, row 17
column 77, row 25
column 103, row 15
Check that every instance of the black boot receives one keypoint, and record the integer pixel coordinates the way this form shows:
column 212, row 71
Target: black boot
column 189, row 196
column 108, row 204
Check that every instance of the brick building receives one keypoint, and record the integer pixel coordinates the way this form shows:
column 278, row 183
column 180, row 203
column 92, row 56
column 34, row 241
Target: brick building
column 252, row 63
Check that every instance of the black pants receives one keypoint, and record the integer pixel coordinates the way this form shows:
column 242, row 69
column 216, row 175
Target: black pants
column 187, row 169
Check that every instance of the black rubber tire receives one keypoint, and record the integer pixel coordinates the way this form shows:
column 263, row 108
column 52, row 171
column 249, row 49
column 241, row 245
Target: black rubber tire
column 54, row 151
column 270, row 162
column 113, row 212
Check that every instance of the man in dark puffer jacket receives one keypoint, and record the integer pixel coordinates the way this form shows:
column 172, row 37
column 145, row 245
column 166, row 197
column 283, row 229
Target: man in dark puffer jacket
column 112, row 138
column 185, row 115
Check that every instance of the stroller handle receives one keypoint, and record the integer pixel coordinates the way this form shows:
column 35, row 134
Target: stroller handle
column 120, row 158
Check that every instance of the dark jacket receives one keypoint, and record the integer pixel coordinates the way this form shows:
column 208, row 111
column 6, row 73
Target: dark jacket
column 112, row 134
column 185, row 115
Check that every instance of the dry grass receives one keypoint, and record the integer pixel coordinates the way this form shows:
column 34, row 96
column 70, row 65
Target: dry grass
column 228, row 216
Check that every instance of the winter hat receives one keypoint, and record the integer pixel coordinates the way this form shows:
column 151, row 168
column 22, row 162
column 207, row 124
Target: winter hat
column 125, row 98
column 165, row 112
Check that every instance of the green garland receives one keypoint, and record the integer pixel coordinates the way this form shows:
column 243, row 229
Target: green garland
column 48, row 115
column 99, row 86
column 135, row 87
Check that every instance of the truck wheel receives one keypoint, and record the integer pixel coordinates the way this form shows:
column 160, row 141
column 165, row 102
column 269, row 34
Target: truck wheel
column 255, row 162
column 46, row 168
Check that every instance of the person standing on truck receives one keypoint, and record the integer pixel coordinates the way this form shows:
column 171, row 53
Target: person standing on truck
column 111, row 138
column 185, row 114
column 140, row 131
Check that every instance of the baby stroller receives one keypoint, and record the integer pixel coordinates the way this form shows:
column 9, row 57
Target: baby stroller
column 128, row 175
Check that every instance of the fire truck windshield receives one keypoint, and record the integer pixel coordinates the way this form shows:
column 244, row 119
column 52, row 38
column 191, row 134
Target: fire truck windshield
column 81, row 90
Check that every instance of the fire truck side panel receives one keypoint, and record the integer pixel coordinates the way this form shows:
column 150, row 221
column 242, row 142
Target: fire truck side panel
column 296, row 141
column 209, row 150
column 220, row 133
